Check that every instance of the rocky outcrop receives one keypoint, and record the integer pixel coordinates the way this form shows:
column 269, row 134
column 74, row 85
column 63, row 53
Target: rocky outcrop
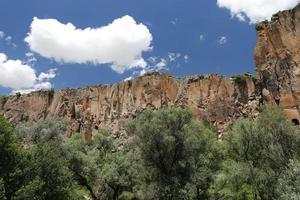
column 277, row 57
column 212, row 98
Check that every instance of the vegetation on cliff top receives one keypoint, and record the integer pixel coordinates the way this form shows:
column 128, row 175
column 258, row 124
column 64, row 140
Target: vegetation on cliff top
column 168, row 156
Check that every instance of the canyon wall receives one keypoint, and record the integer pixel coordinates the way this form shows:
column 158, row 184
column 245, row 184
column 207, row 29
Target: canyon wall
column 277, row 57
column 212, row 98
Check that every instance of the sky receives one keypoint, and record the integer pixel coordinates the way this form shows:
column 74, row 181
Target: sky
column 69, row 44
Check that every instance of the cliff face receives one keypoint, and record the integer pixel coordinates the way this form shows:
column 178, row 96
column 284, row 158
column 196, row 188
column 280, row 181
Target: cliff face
column 212, row 98
column 277, row 57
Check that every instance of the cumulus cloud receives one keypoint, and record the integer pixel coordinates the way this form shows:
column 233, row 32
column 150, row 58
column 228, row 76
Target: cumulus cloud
column 120, row 43
column 22, row 77
column 15, row 74
column 47, row 76
column 36, row 87
column 256, row 10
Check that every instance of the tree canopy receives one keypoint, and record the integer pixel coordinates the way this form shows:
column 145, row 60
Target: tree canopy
column 168, row 155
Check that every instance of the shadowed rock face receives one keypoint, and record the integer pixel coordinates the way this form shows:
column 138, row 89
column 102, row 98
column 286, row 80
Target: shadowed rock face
column 212, row 98
column 277, row 57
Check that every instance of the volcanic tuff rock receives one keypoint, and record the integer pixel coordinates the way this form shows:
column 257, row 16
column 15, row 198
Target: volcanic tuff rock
column 277, row 57
column 212, row 98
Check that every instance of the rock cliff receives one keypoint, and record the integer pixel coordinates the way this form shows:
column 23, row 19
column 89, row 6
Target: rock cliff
column 277, row 57
column 211, row 98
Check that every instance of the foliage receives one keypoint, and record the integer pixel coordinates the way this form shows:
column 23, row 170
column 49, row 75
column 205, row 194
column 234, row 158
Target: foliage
column 38, row 172
column 77, row 114
column 168, row 155
column 105, row 172
column 3, row 100
column 289, row 182
column 48, row 174
column 51, row 129
column 18, row 94
column 257, row 152
column 10, row 160
column 240, row 79
column 179, row 155
column 50, row 93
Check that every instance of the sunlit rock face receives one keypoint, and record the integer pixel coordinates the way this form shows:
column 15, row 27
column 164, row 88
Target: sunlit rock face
column 212, row 98
column 277, row 57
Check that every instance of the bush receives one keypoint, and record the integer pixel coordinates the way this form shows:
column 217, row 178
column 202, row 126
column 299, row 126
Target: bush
column 289, row 181
column 43, row 131
column 3, row 100
column 180, row 155
column 257, row 152
column 18, row 94
column 239, row 79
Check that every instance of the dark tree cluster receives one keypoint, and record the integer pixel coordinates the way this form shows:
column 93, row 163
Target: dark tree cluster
column 168, row 155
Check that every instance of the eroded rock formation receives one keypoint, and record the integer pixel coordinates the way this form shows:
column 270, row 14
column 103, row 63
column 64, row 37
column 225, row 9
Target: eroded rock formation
column 212, row 98
column 277, row 57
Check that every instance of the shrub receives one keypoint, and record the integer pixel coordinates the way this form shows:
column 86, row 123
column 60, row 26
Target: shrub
column 257, row 152
column 18, row 94
column 239, row 79
column 50, row 94
column 180, row 155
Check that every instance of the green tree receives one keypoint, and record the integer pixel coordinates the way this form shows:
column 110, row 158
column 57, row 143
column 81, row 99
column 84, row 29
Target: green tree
column 10, row 161
column 104, row 171
column 288, row 187
column 257, row 152
column 43, row 131
column 49, row 177
column 180, row 155
column 47, row 173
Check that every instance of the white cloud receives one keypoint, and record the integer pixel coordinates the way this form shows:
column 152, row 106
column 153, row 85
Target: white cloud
column 201, row 37
column 29, row 54
column 256, row 10
column 8, row 39
column 163, row 62
column 22, row 77
column 120, row 43
column 15, row 74
column 31, row 59
column 186, row 58
column 152, row 59
column 36, row 87
column 174, row 21
column 223, row 40
column 173, row 56
column 2, row 34
column 47, row 76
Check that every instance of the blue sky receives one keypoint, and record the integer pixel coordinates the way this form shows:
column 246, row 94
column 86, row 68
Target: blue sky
column 206, row 38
